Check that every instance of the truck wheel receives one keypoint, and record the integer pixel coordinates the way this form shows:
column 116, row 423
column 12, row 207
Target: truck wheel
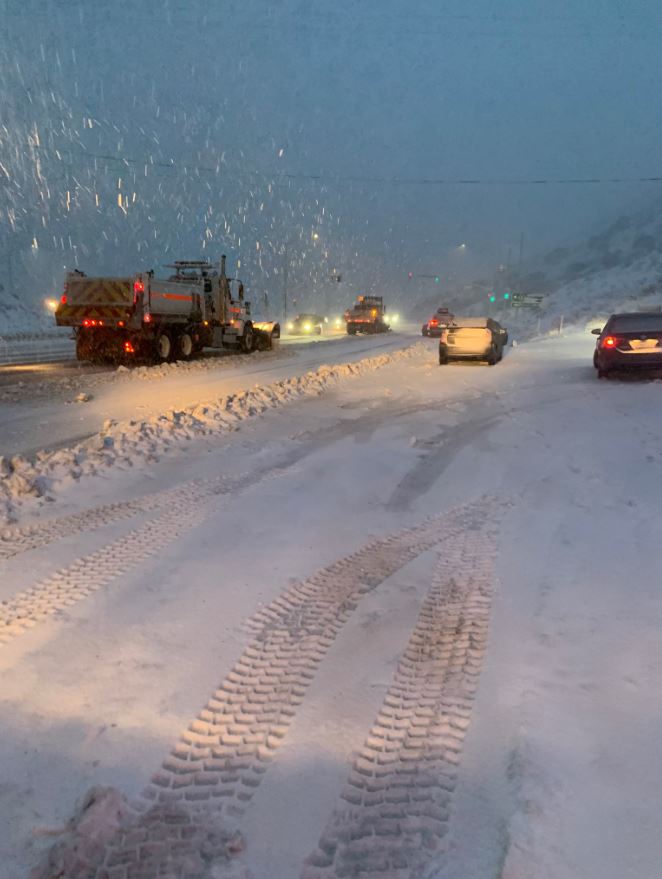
column 248, row 339
column 351, row 330
column 185, row 346
column 163, row 348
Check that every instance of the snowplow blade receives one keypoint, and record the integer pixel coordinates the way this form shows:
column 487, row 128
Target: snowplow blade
column 267, row 334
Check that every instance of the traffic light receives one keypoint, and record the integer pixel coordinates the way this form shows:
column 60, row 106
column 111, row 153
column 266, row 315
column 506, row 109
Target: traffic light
column 437, row 279
column 410, row 275
column 492, row 297
column 506, row 295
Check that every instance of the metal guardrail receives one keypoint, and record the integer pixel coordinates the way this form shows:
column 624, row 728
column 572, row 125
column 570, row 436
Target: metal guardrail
column 15, row 352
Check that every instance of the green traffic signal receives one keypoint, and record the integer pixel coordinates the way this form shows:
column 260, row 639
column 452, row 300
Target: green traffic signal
column 506, row 295
column 492, row 298
column 436, row 279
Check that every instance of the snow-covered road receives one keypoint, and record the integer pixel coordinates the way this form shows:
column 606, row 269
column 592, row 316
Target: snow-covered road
column 40, row 411
column 406, row 628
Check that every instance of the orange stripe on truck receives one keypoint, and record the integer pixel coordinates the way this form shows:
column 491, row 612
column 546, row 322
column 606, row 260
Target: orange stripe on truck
column 180, row 297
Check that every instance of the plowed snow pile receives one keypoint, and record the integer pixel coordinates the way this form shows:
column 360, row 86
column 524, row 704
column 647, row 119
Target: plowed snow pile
column 133, row 441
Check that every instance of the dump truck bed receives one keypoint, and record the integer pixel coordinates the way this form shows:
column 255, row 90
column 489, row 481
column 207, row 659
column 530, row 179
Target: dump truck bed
column 107, row 299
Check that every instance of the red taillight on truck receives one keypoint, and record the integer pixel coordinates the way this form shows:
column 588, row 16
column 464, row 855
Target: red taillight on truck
column 63, row 299
column 139, row 286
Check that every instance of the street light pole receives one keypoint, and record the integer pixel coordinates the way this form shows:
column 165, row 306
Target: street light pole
column 286, row 271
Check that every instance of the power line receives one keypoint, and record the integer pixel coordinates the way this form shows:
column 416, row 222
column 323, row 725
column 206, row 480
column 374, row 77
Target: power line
column 285, row 176
column 378, row 26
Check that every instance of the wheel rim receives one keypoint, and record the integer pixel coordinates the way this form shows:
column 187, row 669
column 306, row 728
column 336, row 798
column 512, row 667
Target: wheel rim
column 248, row 340
column 186, row 345
column 163, row 347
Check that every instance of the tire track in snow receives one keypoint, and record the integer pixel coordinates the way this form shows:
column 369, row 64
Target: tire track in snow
column 217, row 765
column 14, row 541
column 185, row 507
column 394, row 813
column 225, row 750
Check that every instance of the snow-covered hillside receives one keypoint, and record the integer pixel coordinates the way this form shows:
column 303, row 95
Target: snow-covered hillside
column 617, row 268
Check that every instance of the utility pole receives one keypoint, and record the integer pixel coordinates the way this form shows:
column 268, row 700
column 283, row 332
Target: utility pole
column 286, row 271
column 521, row 251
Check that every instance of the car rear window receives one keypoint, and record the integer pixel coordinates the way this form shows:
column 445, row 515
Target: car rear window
column 636, row 323
column 469, row 323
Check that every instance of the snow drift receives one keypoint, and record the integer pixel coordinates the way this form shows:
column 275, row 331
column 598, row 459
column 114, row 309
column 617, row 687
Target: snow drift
column 130, row 442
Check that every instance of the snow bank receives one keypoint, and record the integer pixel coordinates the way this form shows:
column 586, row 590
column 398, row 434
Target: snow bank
column 134, row 441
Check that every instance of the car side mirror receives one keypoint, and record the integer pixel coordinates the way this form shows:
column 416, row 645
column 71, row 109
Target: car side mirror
column 596, row 332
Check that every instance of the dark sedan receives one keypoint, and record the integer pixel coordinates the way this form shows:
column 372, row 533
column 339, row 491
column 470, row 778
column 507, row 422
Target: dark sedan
column 306, row 325
column 437, row 323
column 628, row 340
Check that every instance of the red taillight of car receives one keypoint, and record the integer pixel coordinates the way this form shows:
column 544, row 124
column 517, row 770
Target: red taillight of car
column 609, row 342
column 434, row 322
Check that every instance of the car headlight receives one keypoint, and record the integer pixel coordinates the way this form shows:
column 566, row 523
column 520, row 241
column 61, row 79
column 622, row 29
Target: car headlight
column 290, row 326
column 395, row 318
column 307, row 328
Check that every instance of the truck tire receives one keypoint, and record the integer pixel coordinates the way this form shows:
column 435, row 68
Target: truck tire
column 351, row 329
column 248, row 339
column 163, row 348
column 185, row 346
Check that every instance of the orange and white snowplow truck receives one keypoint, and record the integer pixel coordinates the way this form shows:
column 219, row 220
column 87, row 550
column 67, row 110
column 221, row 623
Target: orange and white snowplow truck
column 144, row 317
column 368, row 315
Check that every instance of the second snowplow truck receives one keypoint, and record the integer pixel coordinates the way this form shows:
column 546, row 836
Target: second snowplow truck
column 140, row 316
column 368, row 315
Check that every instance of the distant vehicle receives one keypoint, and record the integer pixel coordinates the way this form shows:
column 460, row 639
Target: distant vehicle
column 473, row 338
column 440, row 319
column 628, row 340
column 306, row 325
column 368, row 315
column 144, row 317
